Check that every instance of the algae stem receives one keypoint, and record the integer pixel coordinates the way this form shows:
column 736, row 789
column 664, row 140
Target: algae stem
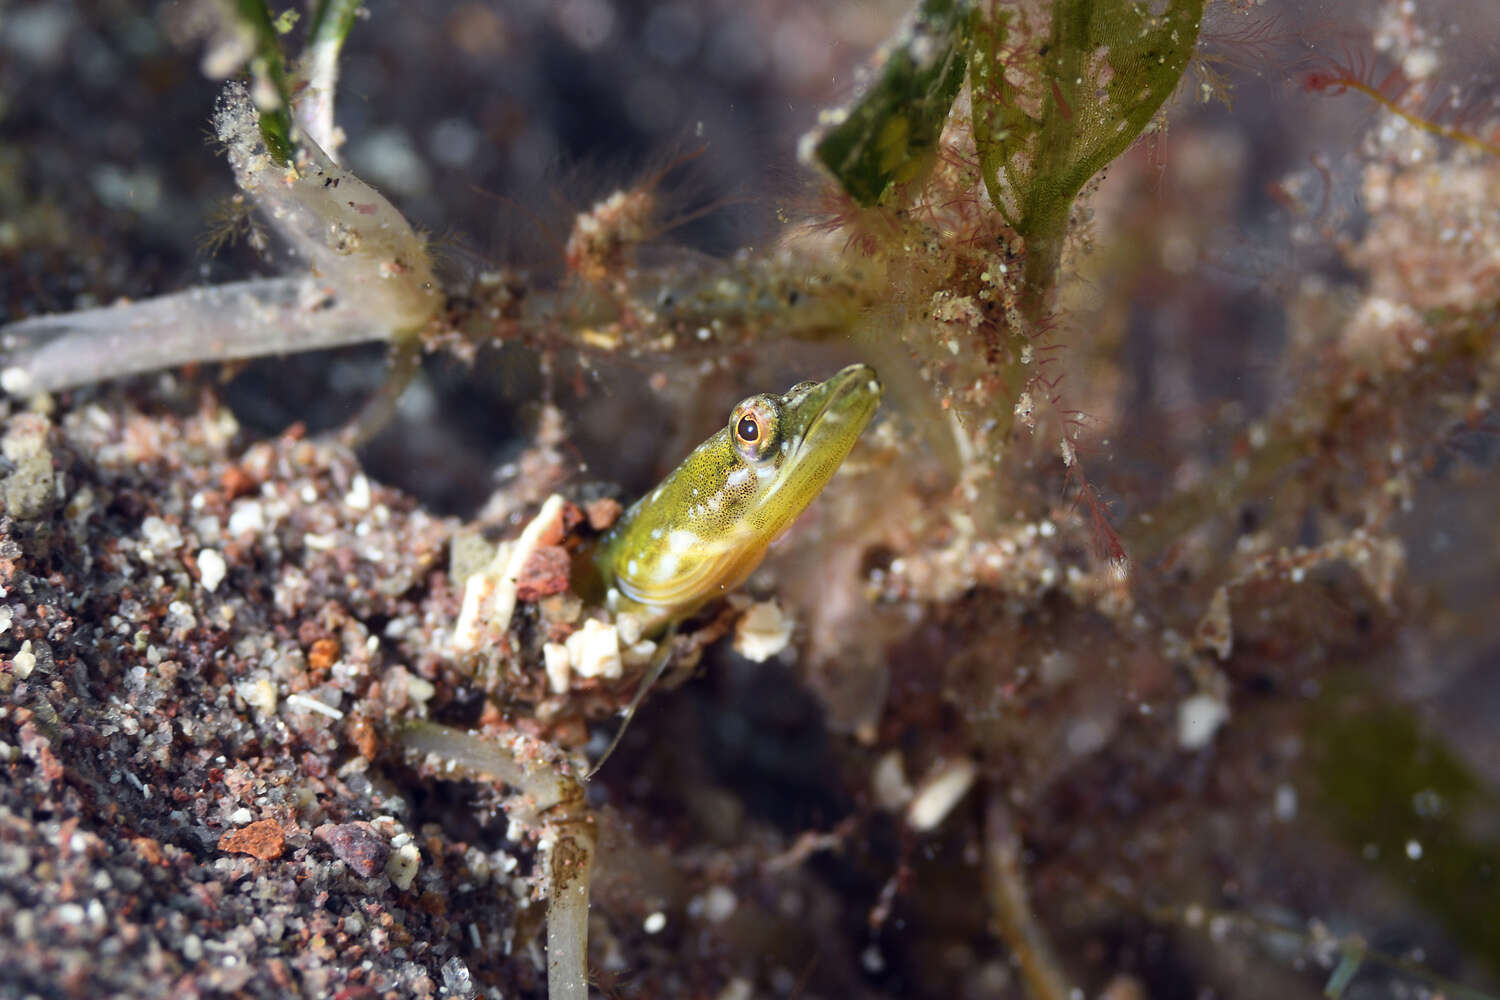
column 552, row 805
column 1005, row 885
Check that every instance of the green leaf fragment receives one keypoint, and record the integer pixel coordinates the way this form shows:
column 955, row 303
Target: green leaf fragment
column 331, row 21
column 1384, row 783
column 889, row 134
column 1056, row 97
column 268, row 69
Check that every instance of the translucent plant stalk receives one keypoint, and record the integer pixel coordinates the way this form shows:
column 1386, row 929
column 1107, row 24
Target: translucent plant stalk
column 551, row 805
column 218, row 323
column 1005, row 887
column 319, row 70
column 370, row 279
column 347, row 232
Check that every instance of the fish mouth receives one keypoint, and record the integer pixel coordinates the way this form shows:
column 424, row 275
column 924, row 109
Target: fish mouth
column 836, row 414
column 851, row 397
column 845, row 404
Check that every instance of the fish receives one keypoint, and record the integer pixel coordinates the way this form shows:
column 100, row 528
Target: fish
column 707, row 527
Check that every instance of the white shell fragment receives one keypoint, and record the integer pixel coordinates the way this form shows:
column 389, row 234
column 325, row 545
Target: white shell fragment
column 1198, row 719
column 359, row 494
column 24, row 662
column 559, row 670
column 401, row 867
column 211, row 569
column 630, row 627
column 637, row 654
column 594, row 650
column 888, row 782
column 762, row 631
column 16, row 381
column 259, row 692
column 942, row 789
column 490, row 594
column 310, row 704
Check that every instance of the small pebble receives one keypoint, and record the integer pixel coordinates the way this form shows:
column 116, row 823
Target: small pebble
column 262, row 839
column 247, row 518
column 719, row 904
column 356, row 845
column 211, row 569
column 457, row 980
column 603, row 512
column 545, row 572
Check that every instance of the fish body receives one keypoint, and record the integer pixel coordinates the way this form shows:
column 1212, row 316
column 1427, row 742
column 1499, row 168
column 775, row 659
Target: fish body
column 707, row 526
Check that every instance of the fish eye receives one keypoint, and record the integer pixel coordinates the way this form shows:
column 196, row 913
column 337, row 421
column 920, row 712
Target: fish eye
column 752, row 427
